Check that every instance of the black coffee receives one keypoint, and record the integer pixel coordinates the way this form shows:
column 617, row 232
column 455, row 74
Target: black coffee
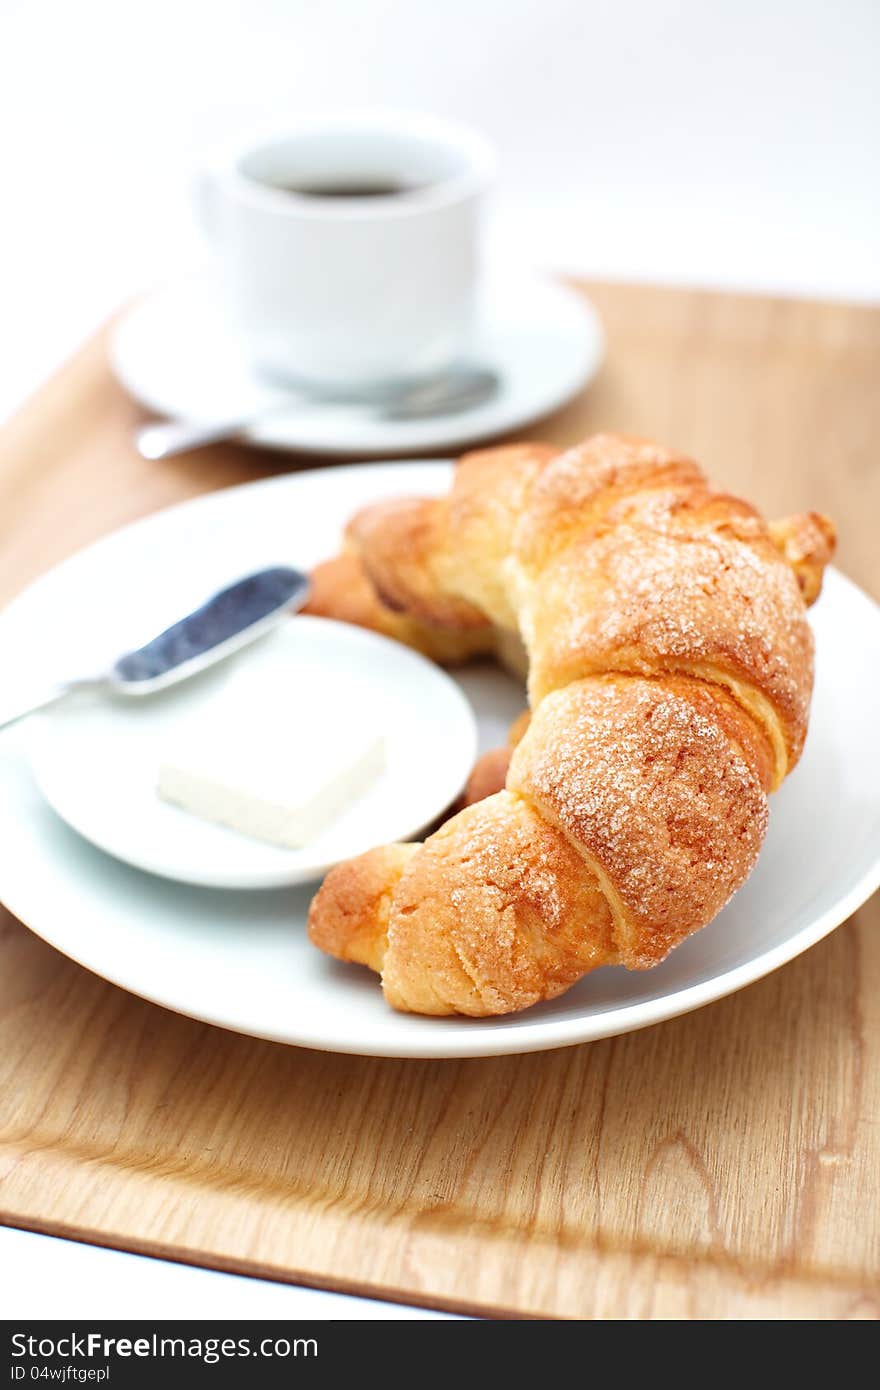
column 346, row 188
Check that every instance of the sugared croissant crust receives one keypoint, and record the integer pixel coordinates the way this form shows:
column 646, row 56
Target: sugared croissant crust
column 670, row 670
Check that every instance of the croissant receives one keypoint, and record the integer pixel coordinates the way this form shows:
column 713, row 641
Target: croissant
column 669, row 677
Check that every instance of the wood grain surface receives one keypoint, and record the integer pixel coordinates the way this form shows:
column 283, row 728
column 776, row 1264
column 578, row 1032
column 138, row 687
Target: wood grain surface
column 723, row 1165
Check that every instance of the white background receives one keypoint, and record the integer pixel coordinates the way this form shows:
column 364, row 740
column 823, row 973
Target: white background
column 696, row 141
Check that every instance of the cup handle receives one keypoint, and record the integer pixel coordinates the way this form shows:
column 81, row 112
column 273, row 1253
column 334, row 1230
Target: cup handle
column 204, row 199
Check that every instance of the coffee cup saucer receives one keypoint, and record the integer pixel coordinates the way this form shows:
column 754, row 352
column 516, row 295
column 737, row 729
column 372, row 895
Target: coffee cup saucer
column 176, row 352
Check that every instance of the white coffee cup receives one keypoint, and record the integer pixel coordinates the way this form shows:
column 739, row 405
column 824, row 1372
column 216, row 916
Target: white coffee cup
column 340, row 287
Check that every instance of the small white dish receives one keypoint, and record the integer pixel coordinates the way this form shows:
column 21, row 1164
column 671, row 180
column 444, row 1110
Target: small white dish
column 243, row 960
column 177, row 353
column 96, row 759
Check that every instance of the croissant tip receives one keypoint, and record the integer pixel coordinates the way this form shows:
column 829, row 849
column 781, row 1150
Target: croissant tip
column 807, row 540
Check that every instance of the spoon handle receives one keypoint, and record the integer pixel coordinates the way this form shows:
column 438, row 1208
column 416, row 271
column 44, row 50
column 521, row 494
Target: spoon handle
column 445, row 394
column 172, row 437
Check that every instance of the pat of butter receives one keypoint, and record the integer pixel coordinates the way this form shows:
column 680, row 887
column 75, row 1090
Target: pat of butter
column 284, row 787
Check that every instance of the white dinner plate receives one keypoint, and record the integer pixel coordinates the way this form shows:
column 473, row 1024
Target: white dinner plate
column 242, row 959
column 96, row 759
column 177, row 354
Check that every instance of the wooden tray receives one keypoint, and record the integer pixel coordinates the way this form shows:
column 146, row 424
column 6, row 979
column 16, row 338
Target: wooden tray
column 723, row 1165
